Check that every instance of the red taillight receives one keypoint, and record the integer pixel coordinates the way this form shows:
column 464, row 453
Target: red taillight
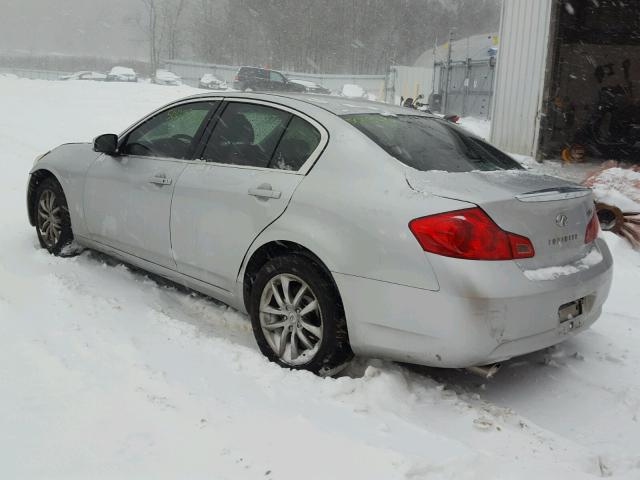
column 469, row 234
column 592, row 229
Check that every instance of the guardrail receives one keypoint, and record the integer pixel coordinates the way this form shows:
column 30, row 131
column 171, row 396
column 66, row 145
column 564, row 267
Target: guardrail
column 33, row 74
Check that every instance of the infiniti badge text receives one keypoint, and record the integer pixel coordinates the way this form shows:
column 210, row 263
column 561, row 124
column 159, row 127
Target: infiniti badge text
column 559, row 241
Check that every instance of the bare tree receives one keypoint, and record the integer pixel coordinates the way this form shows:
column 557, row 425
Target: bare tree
column 338, row 36
column 162, row 26
column 171, row 15
column 153, row 35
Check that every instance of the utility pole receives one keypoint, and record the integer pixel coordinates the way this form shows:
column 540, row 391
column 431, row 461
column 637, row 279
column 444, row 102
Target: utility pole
column 433, row 80
column 446, row 86
column 467, row 80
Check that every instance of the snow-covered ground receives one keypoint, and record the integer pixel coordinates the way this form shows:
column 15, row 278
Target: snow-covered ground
column 478, row 126
column 105, row 373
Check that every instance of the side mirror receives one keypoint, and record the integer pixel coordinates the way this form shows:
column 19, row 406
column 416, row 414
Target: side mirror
column 107, row 143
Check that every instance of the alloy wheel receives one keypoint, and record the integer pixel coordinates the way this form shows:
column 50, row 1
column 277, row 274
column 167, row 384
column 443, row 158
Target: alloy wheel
column 291, row 319
column 49, row 218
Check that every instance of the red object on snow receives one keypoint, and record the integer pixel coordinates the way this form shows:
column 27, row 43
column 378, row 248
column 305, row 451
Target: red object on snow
column 613, row 176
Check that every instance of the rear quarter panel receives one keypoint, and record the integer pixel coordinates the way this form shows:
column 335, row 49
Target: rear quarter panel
column 353, row 209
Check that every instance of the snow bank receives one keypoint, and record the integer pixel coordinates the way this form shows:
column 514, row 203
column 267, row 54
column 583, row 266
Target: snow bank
column 106, row 373
column 617, row 186
column 477, row 126
column 353, row 91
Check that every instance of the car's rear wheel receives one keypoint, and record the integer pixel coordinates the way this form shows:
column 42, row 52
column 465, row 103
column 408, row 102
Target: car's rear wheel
column 53, row 224
column 297, row 316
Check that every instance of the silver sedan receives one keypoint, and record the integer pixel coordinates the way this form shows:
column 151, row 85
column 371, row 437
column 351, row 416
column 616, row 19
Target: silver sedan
column 340, row 226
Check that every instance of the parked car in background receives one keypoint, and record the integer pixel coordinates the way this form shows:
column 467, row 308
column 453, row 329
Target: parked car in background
column 122, row 74
column 210, row 82
column 85, row 75
column 255, row 79
column 165, row 77
column 311, row 87
column 347, row 227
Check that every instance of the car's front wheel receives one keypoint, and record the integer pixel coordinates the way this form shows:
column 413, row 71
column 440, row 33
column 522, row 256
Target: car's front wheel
column 53, row 224
column 297, row 316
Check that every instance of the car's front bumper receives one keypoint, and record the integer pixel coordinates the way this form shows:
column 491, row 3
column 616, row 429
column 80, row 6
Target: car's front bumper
column 484, row 314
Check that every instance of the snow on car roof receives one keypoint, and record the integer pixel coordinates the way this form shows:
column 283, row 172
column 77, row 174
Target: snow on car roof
column 122, row 71
column 207, row 77
column 166, row 75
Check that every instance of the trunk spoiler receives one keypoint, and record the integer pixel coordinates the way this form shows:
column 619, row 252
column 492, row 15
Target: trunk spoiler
column 554, row 194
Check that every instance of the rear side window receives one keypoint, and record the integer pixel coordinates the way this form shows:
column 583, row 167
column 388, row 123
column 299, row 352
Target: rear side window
column 297, row 144
column 427, row 143
column 248, row 72
column 246, row 134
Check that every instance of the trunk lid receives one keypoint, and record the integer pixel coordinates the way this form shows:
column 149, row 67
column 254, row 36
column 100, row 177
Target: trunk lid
column 551, row 212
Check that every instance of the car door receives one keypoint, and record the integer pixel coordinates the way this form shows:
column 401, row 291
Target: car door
column 277, row 82
column 261, row 80
column 127, row 197
column 254, row 159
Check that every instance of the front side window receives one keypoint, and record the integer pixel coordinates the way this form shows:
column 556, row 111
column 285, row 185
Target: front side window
column 427, row 143
column 170, row 134
column 276, row 77
column 246, row 134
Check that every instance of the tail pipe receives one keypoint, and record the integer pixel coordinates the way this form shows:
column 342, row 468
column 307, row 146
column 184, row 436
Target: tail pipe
column 486, row 371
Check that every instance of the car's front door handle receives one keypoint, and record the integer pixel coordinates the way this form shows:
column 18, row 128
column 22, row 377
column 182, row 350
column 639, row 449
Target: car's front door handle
column 265, row 191
column 160, row 180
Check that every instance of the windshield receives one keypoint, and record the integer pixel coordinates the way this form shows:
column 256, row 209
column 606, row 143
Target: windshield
column 427, row 143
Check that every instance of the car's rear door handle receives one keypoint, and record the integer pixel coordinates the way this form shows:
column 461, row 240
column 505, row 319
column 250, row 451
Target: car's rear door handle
column 160, row 180
column 265, row 191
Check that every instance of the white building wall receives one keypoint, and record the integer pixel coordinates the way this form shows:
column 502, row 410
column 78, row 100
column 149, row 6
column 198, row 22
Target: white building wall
column 410, row 82
column 520, row 76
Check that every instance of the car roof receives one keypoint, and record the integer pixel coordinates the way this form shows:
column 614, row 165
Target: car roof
column 332, row 103
column 255, row 68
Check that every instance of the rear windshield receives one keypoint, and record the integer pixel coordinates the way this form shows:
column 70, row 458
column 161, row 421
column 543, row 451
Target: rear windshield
column 427, row 143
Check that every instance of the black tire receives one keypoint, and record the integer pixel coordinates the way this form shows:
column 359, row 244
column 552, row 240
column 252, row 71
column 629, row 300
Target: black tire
column 50, row 192
column 333, row 349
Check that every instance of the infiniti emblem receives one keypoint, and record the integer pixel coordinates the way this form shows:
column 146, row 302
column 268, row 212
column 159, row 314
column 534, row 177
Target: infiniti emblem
column 562, row 220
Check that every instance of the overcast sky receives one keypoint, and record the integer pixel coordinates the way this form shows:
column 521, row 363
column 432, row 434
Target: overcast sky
column 105, row 28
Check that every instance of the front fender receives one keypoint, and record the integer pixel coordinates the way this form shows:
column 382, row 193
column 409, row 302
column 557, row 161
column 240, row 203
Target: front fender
column 68, row 163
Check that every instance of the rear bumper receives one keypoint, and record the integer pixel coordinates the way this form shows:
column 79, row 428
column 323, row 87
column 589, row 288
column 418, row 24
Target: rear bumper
column 484, row 313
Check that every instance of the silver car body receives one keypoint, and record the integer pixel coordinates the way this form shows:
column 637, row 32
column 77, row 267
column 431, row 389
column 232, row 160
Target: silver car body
column 350, row 205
